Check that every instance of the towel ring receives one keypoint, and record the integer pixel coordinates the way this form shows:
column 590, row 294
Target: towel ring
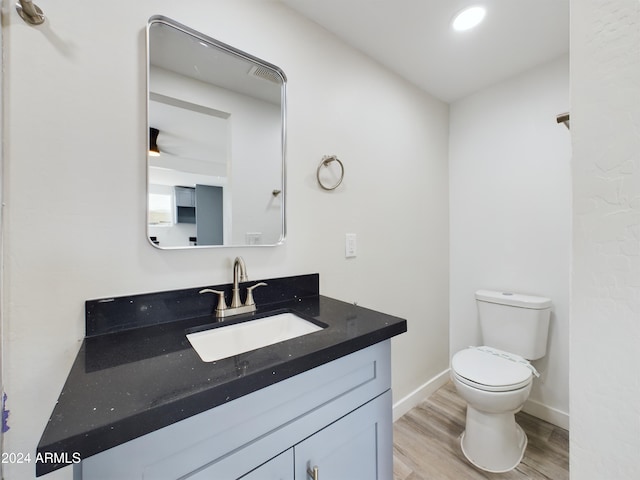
column 326, row 160
column 30, row 13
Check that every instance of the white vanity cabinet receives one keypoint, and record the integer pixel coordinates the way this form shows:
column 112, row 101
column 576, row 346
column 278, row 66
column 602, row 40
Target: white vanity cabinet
column 336, row 416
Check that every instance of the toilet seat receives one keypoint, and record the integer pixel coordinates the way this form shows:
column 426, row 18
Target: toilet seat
column 491, row 370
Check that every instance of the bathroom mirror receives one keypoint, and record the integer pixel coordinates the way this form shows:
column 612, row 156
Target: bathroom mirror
column 216, row 123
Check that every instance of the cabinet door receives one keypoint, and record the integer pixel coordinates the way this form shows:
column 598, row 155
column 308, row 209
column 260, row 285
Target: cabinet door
column 185, row 196
column 209, row 219
column 359, row 446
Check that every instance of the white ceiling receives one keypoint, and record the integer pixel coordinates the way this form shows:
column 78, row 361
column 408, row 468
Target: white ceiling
column 414, row 38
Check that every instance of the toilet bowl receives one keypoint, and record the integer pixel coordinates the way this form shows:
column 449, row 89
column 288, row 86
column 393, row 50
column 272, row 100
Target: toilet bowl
column 495, row 384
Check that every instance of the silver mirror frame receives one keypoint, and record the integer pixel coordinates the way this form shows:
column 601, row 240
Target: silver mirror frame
column 160, row 19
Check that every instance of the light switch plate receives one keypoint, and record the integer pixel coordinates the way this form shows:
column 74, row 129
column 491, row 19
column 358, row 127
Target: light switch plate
column 253, row 238
column 350, row 245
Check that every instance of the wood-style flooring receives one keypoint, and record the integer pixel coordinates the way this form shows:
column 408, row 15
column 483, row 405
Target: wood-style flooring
column 426, row 444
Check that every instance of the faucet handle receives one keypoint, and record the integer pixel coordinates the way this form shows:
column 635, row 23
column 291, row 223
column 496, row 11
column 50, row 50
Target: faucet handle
column 222, row 305
column 249, row 301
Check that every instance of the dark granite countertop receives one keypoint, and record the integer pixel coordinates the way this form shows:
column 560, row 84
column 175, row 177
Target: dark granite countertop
column 131, row 380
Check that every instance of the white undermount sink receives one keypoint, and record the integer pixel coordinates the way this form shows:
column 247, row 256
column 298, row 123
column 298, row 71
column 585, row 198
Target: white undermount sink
column 230, row 340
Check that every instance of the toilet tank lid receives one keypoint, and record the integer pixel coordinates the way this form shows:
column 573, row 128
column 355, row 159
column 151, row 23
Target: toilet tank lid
column 513, row 299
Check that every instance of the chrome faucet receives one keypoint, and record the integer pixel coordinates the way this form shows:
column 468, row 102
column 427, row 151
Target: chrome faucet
column 236, row 307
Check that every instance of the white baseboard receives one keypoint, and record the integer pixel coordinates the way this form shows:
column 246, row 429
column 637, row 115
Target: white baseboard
column 406, row 403
column 547, row 413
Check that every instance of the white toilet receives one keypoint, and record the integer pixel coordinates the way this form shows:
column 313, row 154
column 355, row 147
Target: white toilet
column 495, row 379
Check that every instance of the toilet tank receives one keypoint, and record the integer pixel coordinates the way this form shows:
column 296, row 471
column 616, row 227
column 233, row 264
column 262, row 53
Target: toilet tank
column 514, row 322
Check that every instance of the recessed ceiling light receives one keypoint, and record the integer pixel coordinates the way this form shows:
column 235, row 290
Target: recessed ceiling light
column 468, row 18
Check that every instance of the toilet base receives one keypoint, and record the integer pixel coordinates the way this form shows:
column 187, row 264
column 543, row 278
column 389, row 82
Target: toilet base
column 493, row 442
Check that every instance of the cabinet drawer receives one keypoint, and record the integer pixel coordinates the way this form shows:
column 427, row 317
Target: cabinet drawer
column 357, row 446
column 236, row 466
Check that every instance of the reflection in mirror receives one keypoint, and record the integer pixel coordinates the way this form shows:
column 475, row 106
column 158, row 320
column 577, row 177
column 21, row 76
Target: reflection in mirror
column 216, row 115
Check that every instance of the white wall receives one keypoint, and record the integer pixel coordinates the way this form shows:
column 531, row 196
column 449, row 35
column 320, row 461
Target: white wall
column 605, row 307
column 75, row 214
column 510, row 202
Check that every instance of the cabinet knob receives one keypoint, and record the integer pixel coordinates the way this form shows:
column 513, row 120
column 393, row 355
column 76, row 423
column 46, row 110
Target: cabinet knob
column 315, row 473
